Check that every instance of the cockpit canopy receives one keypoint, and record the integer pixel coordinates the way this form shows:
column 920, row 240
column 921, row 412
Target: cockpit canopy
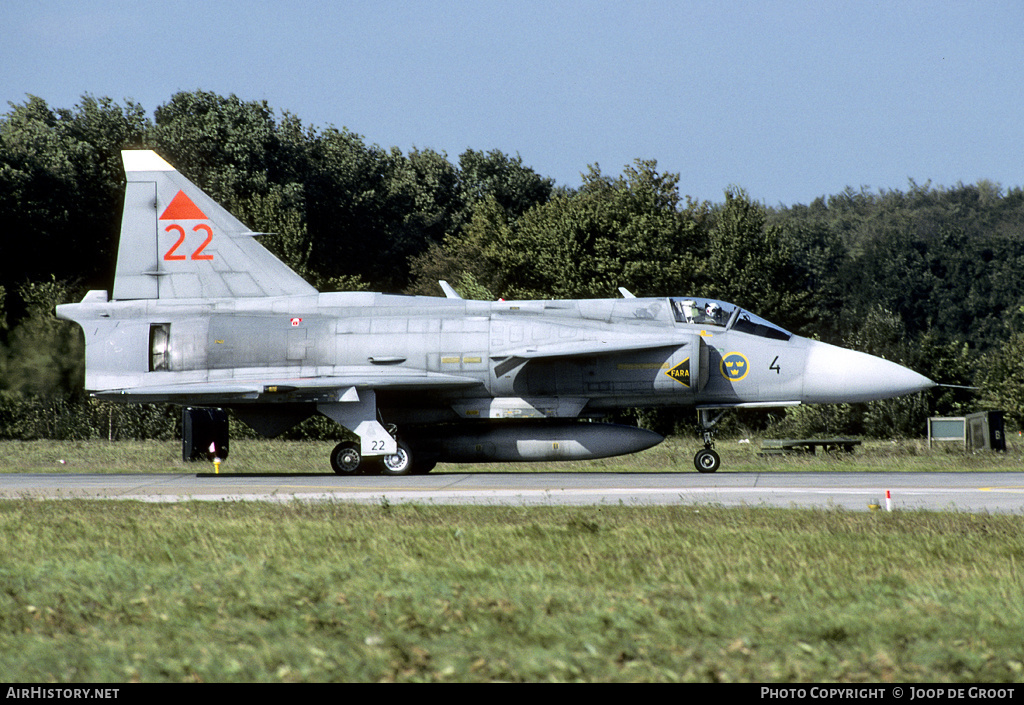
column 710, row 312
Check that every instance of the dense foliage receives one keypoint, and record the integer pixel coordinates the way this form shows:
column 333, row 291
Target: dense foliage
column 926, row 277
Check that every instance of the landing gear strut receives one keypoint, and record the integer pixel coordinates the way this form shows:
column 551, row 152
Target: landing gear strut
column 707, row 460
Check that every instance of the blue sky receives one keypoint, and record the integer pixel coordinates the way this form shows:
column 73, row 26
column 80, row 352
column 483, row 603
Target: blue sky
column 789, row 100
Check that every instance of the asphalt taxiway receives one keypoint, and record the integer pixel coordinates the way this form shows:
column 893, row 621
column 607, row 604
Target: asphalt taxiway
column 992, row 492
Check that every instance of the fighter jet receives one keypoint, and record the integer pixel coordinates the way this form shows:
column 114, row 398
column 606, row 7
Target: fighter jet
column 202, row 315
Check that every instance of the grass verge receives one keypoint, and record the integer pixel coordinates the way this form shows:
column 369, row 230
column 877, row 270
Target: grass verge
column 124, row 591
column 673, row 455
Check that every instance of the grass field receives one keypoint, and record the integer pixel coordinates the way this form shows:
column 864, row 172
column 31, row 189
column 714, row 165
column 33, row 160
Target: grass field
column 673, row 455
column 125, row 591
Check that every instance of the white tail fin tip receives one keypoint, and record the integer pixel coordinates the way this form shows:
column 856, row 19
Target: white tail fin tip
column 144, row 160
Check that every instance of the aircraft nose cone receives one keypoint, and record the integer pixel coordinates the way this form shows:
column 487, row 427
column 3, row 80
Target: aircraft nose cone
column 835, row 375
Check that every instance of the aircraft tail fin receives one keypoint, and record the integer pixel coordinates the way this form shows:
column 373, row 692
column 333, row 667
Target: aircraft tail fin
column 178, row 243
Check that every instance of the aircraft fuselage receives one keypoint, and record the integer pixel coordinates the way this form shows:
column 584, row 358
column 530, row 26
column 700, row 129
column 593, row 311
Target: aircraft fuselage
column 605, row 353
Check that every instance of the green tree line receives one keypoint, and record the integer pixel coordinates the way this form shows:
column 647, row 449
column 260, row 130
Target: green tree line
column 926, row 277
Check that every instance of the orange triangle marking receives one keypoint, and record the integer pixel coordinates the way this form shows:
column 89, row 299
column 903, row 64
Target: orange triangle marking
column 182, row 208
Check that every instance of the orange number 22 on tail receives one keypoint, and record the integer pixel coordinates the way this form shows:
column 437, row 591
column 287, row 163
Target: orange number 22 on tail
column 198, row 254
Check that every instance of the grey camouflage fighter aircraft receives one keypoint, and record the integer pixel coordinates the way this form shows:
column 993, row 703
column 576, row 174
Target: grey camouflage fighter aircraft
column 202, row 315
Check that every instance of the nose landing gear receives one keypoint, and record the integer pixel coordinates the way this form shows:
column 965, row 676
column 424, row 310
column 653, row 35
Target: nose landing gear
column 707, row 460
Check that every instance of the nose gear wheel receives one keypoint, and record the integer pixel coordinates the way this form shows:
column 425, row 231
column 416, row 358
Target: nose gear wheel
column 707, row 460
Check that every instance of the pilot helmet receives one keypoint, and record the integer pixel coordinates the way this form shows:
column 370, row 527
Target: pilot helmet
column 712, row 309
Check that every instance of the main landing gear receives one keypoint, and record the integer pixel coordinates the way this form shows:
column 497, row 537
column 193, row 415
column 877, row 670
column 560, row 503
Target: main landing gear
column 347, row 460
column 357, row 411
column 707, row 460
